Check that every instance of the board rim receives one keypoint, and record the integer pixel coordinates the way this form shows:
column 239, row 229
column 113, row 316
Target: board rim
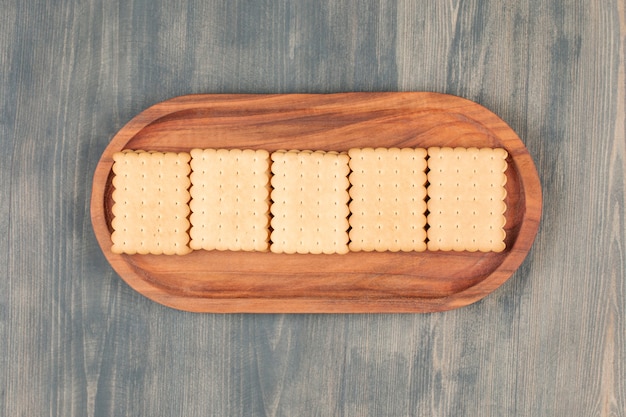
column 529, row 225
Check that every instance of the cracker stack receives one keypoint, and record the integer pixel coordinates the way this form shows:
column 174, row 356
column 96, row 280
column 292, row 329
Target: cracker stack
column 387, row 211
column 466, row 193
column 229, row 199
column 309, row 202
column 150, row 203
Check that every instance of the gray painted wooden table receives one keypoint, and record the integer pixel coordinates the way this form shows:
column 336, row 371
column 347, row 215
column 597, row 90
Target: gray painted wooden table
column 77, row 341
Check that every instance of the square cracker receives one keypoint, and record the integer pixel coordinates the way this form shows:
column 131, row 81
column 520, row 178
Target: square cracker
column 229, row 199
column 150, row 203
column 466, row 199
column 309, row 202
column 388, row 191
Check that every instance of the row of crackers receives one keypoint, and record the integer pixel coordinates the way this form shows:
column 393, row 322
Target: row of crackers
column 384, row 199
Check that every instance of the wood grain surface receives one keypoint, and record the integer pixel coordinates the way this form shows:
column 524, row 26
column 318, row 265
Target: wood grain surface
column 77, row 341
column 227, row 282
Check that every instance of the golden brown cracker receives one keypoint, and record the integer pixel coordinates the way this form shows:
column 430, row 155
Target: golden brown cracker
column 150, row 203
column 466, row 199
column 229, row 199
column 309, row 202
column 388, row 190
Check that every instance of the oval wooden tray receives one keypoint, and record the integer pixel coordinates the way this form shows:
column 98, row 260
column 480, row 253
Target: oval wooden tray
column 213, row 281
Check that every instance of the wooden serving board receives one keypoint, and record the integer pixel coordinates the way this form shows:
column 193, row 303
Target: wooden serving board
column 214, row 281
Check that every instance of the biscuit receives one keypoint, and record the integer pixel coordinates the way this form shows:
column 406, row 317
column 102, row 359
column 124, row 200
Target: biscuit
column 229, row 199
column 150, row 203
column 309, row 202
column 388, row 191
column 465, row 199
